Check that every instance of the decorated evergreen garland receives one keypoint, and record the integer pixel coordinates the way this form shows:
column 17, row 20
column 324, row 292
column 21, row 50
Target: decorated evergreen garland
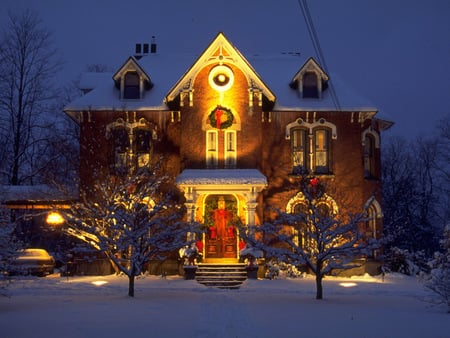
column 221, row 118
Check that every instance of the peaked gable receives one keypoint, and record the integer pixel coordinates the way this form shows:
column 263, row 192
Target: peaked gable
column 131, row 64
column 222, row 51
column 310, row 65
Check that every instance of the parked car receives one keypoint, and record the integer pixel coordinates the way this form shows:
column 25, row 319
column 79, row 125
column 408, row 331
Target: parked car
column 33, row 262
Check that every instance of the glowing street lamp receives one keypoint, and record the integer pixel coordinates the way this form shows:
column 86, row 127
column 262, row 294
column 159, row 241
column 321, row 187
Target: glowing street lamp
column 54, row 218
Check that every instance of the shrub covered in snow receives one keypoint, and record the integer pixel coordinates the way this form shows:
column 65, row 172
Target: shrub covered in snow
column 439, row 281
column 406, row 262
column 278, row 269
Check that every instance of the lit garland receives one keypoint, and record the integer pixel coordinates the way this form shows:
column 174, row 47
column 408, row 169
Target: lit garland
column 221, row 118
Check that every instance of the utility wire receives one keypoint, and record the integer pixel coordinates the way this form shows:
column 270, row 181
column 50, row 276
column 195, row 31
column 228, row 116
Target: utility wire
column 317, row 47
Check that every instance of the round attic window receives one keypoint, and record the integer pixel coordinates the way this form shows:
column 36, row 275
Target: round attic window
column 221, row 78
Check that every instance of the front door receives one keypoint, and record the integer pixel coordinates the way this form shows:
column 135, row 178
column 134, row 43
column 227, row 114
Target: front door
column 220, row 239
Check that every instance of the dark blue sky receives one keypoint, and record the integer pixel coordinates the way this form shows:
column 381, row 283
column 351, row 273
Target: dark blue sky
column 396, row 53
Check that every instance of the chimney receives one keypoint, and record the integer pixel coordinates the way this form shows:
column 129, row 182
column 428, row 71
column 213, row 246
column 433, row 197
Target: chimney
column 138, row 49
column 153, row 45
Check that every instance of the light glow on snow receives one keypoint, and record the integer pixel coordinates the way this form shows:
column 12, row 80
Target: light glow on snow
column 99, row 282
column 348, row 284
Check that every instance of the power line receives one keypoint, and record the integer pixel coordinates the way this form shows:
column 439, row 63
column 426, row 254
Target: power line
column 317, row 47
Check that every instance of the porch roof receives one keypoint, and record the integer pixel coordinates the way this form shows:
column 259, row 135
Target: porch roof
column 221, row 177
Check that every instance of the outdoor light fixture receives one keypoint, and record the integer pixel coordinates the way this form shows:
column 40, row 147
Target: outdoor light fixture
column 54, row 218
column 221, row 78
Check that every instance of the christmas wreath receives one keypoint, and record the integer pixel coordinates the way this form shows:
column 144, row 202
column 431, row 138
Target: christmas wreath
column 221, row 117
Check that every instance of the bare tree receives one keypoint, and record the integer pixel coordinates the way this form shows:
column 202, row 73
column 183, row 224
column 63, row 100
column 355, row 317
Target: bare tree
column 8, row 247
column 28, row 64
column 134, row 219
column 442, row 166
column 314, row 234
column 439, row 281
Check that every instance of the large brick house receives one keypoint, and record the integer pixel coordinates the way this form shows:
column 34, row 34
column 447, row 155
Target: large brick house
column 235, row 131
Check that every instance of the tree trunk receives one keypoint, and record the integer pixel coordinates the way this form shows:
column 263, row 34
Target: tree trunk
column 319, row 277
column 319, row 288
column 131, row 285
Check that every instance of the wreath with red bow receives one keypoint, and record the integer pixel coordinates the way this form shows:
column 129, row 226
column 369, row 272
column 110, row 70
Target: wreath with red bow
column 221, row 117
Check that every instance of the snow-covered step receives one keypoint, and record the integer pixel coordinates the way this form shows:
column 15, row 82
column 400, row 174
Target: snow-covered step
column 224, row 276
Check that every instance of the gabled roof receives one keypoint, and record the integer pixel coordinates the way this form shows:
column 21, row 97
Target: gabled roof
column 310, row 65
column 171, row 72
column 220, row 50
column 131, row 65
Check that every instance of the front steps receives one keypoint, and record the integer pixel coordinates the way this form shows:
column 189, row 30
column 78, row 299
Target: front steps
column 223, row 276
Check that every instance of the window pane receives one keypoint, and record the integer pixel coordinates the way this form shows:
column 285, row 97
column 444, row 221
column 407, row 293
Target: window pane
column 310, row 86
column 131, row 88
column 230, row 149
column 369, row 157
column 121, row 140
column 321, row 151
column 211, row 148
column 298, row 144
column 142, row 141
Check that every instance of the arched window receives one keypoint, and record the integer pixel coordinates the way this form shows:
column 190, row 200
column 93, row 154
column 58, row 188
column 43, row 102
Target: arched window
column 311, row 146
column 131, row 86
column 121, row 145
column 369, row 156
column 131, row 144
column 321, row 151
column 299, row 150
column 300, row 231
column 373, row 222
column 142, row 146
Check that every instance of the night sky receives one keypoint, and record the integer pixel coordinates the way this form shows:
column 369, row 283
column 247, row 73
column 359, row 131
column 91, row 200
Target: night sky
column 395, row 53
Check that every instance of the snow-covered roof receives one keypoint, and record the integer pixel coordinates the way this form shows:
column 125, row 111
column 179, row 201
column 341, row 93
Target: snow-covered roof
column 33, row 193
column 276, row 70
column 221, row 177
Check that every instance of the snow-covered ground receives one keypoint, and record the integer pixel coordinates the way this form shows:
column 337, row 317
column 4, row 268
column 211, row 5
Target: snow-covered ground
column 99, row 307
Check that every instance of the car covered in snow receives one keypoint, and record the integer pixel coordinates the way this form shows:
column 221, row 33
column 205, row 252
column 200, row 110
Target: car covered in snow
column 32, row 262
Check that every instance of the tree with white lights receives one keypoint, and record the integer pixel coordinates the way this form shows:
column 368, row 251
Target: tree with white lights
column 314, row 234
column 132, row 220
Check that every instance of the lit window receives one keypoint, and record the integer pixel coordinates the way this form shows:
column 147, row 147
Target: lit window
column 142, row 145
column 321, row 151
column 310, row 151
column 371, row 226
column 211, row 149
column 300, row 230
column 299, row 150
column 132, row 146
column 230, row 149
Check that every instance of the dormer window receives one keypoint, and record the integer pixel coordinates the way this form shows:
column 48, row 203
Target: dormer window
column 310, row 85
column 131, row 80
column 131, row 88
column 310, row 81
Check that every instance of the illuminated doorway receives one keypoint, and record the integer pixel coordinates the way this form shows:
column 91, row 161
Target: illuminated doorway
column 220, row 214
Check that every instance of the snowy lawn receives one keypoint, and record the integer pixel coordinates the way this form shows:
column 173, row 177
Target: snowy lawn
column 99, row 307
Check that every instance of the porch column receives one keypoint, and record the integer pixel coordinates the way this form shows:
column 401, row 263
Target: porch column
column 190, row 211
column 251, row 208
